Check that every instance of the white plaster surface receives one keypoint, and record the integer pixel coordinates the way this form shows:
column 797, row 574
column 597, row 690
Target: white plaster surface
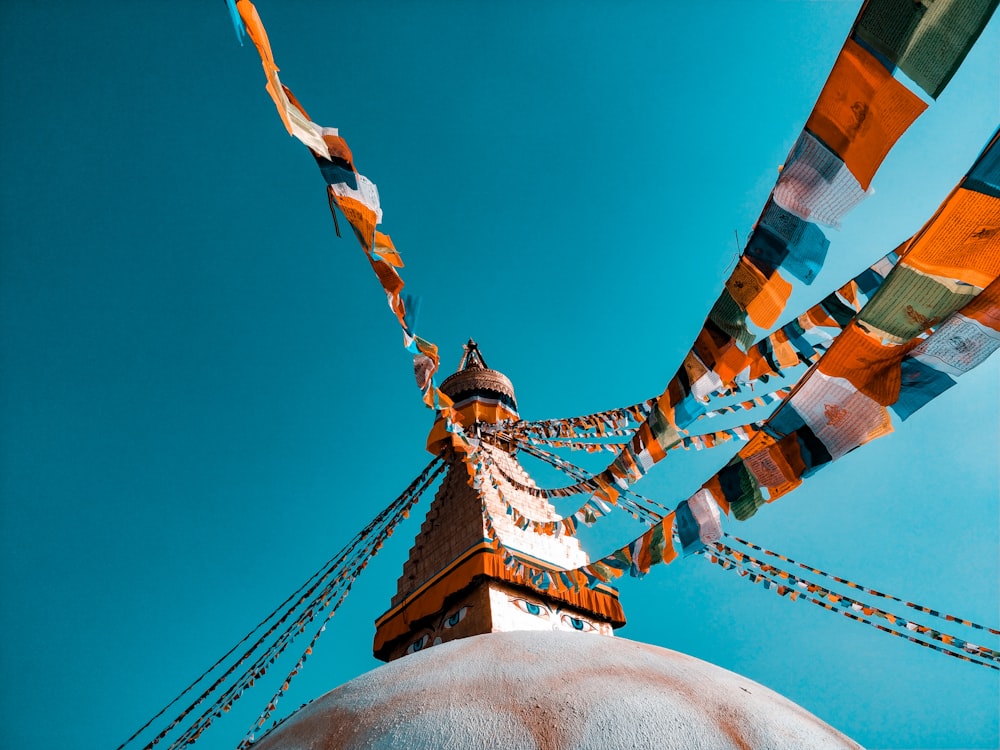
column 551, row 691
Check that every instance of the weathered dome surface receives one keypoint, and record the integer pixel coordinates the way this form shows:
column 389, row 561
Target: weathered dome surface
column 551, row 691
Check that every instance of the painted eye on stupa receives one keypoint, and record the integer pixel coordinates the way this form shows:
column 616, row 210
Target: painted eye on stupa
column 418, row 644
column 538, row 610
column 456, row 618
column 577, row 624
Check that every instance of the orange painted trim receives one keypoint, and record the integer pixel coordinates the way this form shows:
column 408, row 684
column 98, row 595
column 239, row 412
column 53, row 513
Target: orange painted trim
column 482, row 561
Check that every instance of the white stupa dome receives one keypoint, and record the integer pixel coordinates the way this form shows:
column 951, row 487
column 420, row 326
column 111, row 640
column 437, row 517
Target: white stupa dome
column 537, row 690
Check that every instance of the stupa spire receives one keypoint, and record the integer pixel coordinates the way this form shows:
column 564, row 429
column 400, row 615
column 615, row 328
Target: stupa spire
column 472, row 357
column 454, row 583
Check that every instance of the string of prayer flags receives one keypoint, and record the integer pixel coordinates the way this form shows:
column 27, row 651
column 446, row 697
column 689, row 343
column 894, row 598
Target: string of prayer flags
column 357, row 198
column 865, row 589
column 612, row 445
column 296, row 121
column 588, row 514
column 654, row 547
column 859, row 115
column 325, row 590
column 598, row 505
column 861, row 112
column 790, row 586
column 697, row 524
column 338, row 578
column 600, row 424
column 841, row 403
column 640, row 507
column 927, row 39
column 774, row 576
column 286, row 684
column 802, row 340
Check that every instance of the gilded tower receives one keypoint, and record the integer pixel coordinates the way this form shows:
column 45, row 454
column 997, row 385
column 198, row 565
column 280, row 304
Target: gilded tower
column 454, row 584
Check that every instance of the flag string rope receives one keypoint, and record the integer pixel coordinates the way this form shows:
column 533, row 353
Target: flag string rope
column 785, row 582
column 336, row 566
column 589, row 513
column 866, row 589
column 568, row 433
column 831, row 599
column 393, row 514
column 626, row 419
column 755, row 578
column 575, row 472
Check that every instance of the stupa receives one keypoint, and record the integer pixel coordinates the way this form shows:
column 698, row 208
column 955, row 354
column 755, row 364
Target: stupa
column 481, row 657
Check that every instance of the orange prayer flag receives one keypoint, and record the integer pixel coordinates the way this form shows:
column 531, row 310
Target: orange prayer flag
column 669, row 553
column 386, row 250
column 645, row 439
column 758, row 364
column 768, row 305
column 862, row 111
column 784, row 353
column 258, row 35
column 720, row 354
column 850, row 293
column 776, row 465
column 962, row 241
column 387, row 276
column 985, row 307
column 336, row 145
column 361, row 216
column 763, row 298
column 870, row 366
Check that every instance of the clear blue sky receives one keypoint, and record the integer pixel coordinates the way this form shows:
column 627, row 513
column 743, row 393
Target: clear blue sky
column 203, row 395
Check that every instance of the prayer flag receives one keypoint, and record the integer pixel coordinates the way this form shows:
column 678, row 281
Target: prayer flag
column 869, row 365
column 783, row 239
column 911, row 301
column 962, row 242
column 862, row 111
column 815, row 185
column 927, row 39
column 687, row 529
column 958, row 345
column 984, row 177
column 920, row 384
column 838, row 414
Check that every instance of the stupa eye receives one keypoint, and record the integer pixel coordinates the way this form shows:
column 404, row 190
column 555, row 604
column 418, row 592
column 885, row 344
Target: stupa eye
column 418, row 644
column 456, row 618
column 538, row 610
column 577, row 624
